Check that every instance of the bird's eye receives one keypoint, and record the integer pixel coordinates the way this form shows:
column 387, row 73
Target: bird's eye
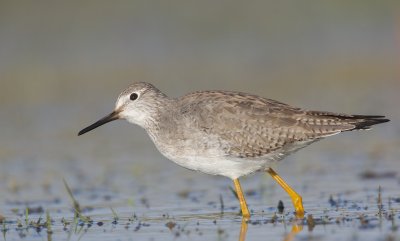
column 134, row 96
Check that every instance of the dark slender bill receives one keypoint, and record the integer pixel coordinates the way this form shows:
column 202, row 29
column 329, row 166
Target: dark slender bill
column 110, row 117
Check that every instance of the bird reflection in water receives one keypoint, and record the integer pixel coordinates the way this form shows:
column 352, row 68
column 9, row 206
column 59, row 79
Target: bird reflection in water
column 297, row 227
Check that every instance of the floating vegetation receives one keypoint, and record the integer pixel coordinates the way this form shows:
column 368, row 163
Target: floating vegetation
column 48, row 223
column 310, row 222
column 170, row 225
column 75, row 203
column 115, row 215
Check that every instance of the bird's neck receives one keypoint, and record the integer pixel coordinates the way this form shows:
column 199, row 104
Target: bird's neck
column 160, row 114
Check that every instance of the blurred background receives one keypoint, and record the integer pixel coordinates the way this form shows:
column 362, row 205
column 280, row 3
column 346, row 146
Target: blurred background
column 63, row 64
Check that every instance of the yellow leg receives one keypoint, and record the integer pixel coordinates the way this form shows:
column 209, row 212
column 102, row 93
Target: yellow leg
column 296, row 198
column 243, row 230
column 243, row 205
column 296, row 228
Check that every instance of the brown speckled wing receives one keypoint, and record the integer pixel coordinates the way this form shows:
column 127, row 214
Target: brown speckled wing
column 253, row 126
column 249, row 125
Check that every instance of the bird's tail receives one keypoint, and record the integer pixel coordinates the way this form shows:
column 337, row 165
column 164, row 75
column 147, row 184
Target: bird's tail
column 364, row 122
column 344, row 122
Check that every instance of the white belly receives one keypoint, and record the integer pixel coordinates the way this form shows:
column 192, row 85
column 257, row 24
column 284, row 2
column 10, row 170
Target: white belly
column 232, row 168
column 211, row 159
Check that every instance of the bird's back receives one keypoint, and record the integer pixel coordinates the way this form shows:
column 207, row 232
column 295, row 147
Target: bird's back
column 249, row 126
